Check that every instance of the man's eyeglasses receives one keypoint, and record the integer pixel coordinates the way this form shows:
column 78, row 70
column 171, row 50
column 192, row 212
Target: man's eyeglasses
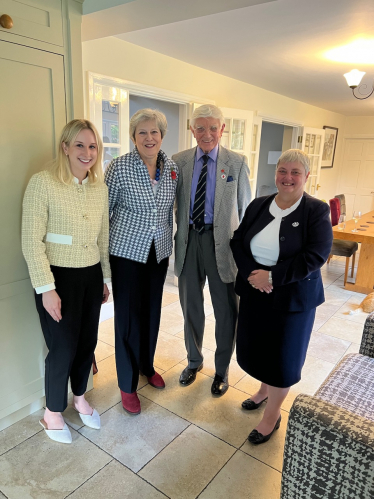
column 202, row 129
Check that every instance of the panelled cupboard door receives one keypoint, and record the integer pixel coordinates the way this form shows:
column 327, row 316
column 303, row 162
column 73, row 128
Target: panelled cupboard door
column 312, row 144
column 356, row 178
column 32, row 103
column 36, row 19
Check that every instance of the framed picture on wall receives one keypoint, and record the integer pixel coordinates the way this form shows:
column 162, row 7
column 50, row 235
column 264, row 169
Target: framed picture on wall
column 328, row 154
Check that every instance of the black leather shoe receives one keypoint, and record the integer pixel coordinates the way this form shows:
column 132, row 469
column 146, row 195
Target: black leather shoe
column 249, row 405
column 188, row 375
column 257, row 438
column 220, row 385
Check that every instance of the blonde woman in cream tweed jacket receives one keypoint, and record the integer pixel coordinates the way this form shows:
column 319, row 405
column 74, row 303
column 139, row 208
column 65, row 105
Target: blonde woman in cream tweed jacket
column 65, row 239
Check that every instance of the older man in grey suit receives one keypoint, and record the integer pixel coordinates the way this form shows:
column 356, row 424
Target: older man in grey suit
column 212, row 195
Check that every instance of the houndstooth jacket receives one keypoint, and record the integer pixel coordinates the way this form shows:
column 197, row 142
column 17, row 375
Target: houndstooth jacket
column 232, row 196
column 137, row 216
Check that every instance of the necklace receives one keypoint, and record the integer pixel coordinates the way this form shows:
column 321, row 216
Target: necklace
column 158, row 170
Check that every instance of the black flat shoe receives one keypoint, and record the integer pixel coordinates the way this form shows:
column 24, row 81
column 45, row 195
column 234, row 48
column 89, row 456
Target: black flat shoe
column 220, row 385
column 188, row 375
column 249, row 405
column 258, row 438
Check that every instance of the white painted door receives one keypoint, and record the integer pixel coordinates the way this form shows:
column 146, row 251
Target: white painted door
column 312, row 144
column 255, row 153
column 237, row 135
column 32, row 103
column 356, row 179
column 109, row 111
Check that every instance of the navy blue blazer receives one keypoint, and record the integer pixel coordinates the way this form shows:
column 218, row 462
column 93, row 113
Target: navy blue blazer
column 305, row 240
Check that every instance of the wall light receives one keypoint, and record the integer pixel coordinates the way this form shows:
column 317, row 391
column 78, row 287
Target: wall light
column 354, row 78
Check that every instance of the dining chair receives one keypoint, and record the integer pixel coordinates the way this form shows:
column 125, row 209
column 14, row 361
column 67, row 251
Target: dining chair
column 341, row 198
column 340, row 247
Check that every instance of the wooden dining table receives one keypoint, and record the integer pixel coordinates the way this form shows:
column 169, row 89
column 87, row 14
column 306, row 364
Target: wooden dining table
column 364, row 282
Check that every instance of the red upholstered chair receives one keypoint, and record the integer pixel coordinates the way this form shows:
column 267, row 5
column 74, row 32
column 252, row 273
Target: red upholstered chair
column 340, row 247
column 335, row 211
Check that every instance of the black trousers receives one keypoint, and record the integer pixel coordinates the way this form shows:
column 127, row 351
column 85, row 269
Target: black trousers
column 137, row 295
column 72, row 341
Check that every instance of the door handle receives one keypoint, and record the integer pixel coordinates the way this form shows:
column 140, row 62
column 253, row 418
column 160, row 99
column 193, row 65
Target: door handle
column 318, row 186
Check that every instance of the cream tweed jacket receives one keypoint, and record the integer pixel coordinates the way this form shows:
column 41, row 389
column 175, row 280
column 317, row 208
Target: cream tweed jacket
column 65, row 226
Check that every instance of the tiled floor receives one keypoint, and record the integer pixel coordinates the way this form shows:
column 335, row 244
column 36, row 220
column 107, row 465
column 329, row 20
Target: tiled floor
column 185, row 444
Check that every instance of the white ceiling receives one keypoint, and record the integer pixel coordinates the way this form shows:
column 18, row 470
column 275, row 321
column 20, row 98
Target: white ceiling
column 278, row 45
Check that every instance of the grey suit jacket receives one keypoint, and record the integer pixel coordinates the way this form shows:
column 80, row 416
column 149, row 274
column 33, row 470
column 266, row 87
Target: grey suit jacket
column 230, row 202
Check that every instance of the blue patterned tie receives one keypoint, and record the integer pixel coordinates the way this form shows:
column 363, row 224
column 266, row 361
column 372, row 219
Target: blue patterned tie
column 199, row 204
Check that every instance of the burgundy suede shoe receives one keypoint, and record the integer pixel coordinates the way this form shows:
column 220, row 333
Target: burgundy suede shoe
column 131, row 402
column 156, row 381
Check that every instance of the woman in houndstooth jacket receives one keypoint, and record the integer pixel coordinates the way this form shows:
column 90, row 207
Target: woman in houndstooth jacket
column 142, row 186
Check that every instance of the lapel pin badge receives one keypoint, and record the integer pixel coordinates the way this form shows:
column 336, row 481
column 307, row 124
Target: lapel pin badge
column 223, row 176
column 295, row 224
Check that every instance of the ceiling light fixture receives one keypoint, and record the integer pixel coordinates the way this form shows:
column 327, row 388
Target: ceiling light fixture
column 354, row 78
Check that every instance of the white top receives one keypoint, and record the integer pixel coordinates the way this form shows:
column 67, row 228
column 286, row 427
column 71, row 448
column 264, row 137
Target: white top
column 265, row 244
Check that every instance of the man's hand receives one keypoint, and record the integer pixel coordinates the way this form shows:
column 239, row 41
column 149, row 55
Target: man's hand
column 259, row 279
column 52, row 304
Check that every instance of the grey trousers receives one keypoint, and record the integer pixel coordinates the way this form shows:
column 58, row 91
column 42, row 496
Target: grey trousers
column 200, row 263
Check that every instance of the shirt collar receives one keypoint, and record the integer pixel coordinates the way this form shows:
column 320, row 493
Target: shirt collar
column 212, row 155
column 84, row 181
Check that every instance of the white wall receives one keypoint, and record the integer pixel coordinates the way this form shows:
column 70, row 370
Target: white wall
column 116, row 58
column 360, row 125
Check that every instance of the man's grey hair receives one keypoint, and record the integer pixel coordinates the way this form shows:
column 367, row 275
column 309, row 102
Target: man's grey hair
column 293, row 156
column 207, row 111
column 148, row 115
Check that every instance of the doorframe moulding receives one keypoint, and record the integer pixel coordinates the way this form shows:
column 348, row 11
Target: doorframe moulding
column 278, row 119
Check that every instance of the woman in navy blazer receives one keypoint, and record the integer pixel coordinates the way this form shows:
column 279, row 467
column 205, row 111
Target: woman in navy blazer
column 142, row 186
column 279, row 248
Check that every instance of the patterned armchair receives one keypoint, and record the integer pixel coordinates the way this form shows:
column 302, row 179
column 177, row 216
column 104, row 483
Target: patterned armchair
column 329, row 449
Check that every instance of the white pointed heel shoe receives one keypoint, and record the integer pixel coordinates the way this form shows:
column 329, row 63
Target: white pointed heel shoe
column 63, row 436
column 92, row 421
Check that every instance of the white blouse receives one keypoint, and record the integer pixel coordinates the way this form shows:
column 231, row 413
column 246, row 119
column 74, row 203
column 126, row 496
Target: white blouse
column 265, row 244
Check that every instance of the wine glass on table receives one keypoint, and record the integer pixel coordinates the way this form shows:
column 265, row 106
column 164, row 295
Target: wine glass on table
column 356, row 217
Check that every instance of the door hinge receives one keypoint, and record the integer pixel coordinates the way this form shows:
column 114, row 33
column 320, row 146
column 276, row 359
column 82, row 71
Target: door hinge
column 299, row 139
column 188, row 124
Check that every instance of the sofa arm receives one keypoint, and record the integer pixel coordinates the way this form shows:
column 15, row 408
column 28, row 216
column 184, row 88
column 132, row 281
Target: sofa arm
column 367, row 341
column 329, row 452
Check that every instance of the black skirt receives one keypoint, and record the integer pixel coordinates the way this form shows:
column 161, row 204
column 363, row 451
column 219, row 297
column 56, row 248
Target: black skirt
column 271, row 344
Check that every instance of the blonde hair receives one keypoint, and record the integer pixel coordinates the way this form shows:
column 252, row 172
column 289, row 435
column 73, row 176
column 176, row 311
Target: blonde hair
column 295, row 156
column 61, row 165
column 148, row 115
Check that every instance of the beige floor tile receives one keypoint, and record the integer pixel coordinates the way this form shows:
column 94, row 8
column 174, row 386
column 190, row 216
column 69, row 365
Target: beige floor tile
column 174, row 308
column 235, row 372
column 169, row 287
column 168, row 298
column 116, row 482
column 220, row 416
column 270, row 453
column 187, row 465
column 43, row 469
column 353, row 348
column 351, row 305
column 20, row 431
column 2, row 496
column 171, row 323
column 244, row 477
column 169, row 351
column 318, row 323
column 135, row 440
column 106, row 331
column 334, row 297
column 103, row 350
column 340, row 328
column 326, row 347
column 313, row 374
column 209, row 340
